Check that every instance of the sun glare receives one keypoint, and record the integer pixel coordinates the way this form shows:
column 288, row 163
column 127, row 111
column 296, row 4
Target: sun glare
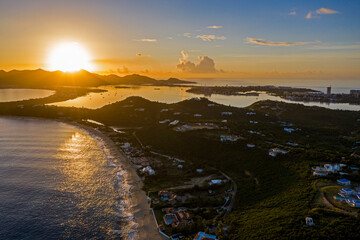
column 69, row 57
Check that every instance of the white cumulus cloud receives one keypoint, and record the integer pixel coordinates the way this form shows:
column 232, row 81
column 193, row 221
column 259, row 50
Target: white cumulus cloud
column 205, row 65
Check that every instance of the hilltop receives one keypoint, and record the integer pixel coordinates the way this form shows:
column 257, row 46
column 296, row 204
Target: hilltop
column 41, row 79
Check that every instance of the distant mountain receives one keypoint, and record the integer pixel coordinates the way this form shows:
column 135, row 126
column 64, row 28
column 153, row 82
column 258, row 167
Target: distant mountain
column 171, row 81
column 42, row 78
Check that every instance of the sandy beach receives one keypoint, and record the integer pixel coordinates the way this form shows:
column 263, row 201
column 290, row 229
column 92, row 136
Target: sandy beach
column 143, row 216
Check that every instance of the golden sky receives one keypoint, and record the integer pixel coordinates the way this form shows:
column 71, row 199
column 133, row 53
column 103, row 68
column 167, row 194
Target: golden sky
column 187, row 39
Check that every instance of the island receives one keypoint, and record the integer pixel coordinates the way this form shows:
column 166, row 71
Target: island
column 289, row 93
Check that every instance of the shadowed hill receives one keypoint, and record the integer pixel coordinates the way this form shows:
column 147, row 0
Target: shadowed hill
column 41, row 79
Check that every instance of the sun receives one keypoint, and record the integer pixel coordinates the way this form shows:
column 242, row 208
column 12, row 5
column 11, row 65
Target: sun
column 69, row 57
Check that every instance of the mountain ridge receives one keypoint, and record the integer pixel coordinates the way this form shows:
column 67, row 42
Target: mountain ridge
column 82, row 78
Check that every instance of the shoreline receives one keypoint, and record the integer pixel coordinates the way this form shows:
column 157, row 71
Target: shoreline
column 143, row 216
column 140, row 209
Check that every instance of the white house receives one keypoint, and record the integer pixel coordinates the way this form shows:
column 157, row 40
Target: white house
column 173, row 123
column 215, row 182
column 164, row 121
column 309, row 221
column 275, row 151
column 250, row 145
column 164, row 110
column 197, row 115
column 289, row 130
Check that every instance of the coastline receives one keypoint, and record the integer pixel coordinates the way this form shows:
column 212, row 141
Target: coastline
column 143, row 216
column 146, row 226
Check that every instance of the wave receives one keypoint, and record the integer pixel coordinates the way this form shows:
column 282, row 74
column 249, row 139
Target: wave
column 124, row 208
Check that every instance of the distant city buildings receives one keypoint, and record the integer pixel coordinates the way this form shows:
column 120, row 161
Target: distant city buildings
column 355, row 93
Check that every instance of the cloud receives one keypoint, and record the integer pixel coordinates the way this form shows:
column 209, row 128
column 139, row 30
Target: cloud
column 326, row 11
column 205, row 65
column 187, row 35
column 292, row 12
column 214, row 27
column 209, row 38
column 313, row 14
column 309, row 16
column 146, row 40
column 268, row 43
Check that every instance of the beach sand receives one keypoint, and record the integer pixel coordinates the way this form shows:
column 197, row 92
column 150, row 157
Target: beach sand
column 143, row 216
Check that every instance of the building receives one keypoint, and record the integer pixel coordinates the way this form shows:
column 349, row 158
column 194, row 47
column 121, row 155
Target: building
column 332, row 168
column 231, row 138
column 289, row 130
column 226, row 113
column 167, row 196
column 320, row 172
column 328, row 90
column 148, row 170
column 250, row 145
column 355, row 93
column 176, row 217
column 309, row 221
column 173, row 123
column 215, row 182
column 275, row 151
column 164, row 121
column 347, row 192
column 353, row 203
column 204, row 236
column 344, row 182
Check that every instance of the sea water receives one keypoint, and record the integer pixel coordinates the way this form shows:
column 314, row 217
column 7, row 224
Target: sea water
column 60, row 182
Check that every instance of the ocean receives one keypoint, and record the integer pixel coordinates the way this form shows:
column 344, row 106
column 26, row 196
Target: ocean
column 60, row 182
